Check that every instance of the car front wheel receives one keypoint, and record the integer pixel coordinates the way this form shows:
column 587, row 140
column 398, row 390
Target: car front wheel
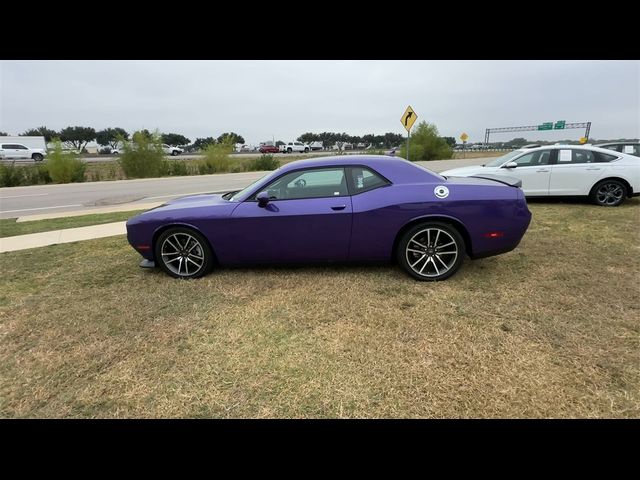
column 431, row 251
column 174, row 153
column 37, row 157
column 608, row 193
column 183, row 253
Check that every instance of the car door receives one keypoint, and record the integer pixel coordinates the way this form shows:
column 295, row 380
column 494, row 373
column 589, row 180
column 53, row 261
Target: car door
column 11, row 151
column 575, row 172
column 534, row 169
column 308, row 218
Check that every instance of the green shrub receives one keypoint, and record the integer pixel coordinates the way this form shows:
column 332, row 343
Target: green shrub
column 142, row 157
column 216, row 158
column 265, row 162
column 65, row 167
column 13, row 176
column 174, row 168
column 10, row 175
column 426, row 144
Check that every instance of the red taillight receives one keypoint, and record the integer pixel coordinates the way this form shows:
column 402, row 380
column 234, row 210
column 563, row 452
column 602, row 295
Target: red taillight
column 494, row 234
column 143, row 247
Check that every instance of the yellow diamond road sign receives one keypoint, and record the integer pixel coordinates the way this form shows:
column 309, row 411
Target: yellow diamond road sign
column 583, row 139
column 408, row 118
column 464, row 137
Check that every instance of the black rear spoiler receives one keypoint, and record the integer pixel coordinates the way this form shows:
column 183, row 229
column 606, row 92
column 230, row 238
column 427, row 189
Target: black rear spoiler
column 511, row 181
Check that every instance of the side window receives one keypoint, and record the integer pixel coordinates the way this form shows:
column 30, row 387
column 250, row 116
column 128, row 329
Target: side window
column 575, row 156
column 604, row 157
column 316, row 183
column 21, row 147
column 616, row 148
column 582, row 156
column 364, row 179
column 533, row 159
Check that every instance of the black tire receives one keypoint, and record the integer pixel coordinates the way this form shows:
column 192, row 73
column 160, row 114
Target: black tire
column 289, row 150
column 37, row 157
column 174, row 153
column 608, row 193
column 423, row 262
column 306, row 150
column 168, row 261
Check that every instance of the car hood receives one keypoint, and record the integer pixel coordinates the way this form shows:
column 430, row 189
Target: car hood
column 205, row 199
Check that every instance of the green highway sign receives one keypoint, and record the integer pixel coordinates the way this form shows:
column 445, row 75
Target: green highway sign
column 559, row 125
column 546, row 126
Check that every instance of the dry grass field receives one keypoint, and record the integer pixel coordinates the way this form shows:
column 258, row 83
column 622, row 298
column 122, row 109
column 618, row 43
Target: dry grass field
column 551, row 329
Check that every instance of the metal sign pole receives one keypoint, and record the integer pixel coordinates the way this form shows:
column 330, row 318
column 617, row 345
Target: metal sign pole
column 408, row 135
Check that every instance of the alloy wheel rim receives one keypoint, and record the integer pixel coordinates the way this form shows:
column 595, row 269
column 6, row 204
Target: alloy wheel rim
column 182, row 254
column 609, row 194
column 431, row 252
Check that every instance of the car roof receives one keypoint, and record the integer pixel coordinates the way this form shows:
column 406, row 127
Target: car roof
column 616, row 143
column 396, row 169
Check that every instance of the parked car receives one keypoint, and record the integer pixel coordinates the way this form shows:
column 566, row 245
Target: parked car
column 15, row 151
column 332, row 209
column 605, row 176
column 269, row 149
column 294, row 147
column 630, row 148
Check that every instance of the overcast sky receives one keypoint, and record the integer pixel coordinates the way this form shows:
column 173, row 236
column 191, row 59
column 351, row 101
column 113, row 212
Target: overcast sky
column 283, row 99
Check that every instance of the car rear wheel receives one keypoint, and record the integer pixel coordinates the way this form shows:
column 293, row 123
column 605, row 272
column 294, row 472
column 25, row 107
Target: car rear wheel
column 431, row 251
column 174, row 153
column 289, row 150
column 183, row 253
column 608, row 193
column 306, row 150
column 37, row 157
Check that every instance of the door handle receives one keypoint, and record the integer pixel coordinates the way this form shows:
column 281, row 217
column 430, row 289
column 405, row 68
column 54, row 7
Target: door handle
column 339, row 207
column 543, row 170
column 594, row 168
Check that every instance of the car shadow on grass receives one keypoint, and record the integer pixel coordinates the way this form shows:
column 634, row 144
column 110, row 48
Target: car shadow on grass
column 383, row 270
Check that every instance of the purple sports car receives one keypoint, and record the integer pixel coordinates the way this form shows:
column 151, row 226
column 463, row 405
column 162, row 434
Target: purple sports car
column 333, row 209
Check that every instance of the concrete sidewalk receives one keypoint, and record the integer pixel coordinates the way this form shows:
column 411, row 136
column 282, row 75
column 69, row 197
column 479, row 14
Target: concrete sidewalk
column 43, row 239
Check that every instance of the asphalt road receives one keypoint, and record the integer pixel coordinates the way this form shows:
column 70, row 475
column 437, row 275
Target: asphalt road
column 38, row 199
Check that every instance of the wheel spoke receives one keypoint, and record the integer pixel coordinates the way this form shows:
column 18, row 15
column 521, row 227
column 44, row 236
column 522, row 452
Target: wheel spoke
column 172, row 260
column 195, row 263
column 418, row 261
column 415, row 251
column 425, row 264
column 435, row 242
column 444, row 264
column 446, row 245
column 447, row 253
column 171, row 243
column 418, row 243
column 429, row 236
column 434, row 265
column 179, row 265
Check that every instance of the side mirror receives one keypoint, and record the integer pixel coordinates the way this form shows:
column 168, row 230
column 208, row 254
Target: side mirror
column 263, row 199
column 510, row 165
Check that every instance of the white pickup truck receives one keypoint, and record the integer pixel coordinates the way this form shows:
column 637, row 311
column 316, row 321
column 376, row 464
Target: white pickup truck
column 295, row 147
column 12, row 151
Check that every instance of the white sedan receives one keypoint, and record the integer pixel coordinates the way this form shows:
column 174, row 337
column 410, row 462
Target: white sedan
column 605, row 176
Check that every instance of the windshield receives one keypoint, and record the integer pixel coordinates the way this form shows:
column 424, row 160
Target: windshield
column 500, row 160
column 237, row 195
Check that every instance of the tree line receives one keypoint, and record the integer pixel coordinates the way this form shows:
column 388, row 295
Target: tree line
column 78, row 137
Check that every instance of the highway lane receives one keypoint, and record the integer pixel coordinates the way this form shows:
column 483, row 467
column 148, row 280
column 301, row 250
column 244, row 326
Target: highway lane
column 39, row 199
